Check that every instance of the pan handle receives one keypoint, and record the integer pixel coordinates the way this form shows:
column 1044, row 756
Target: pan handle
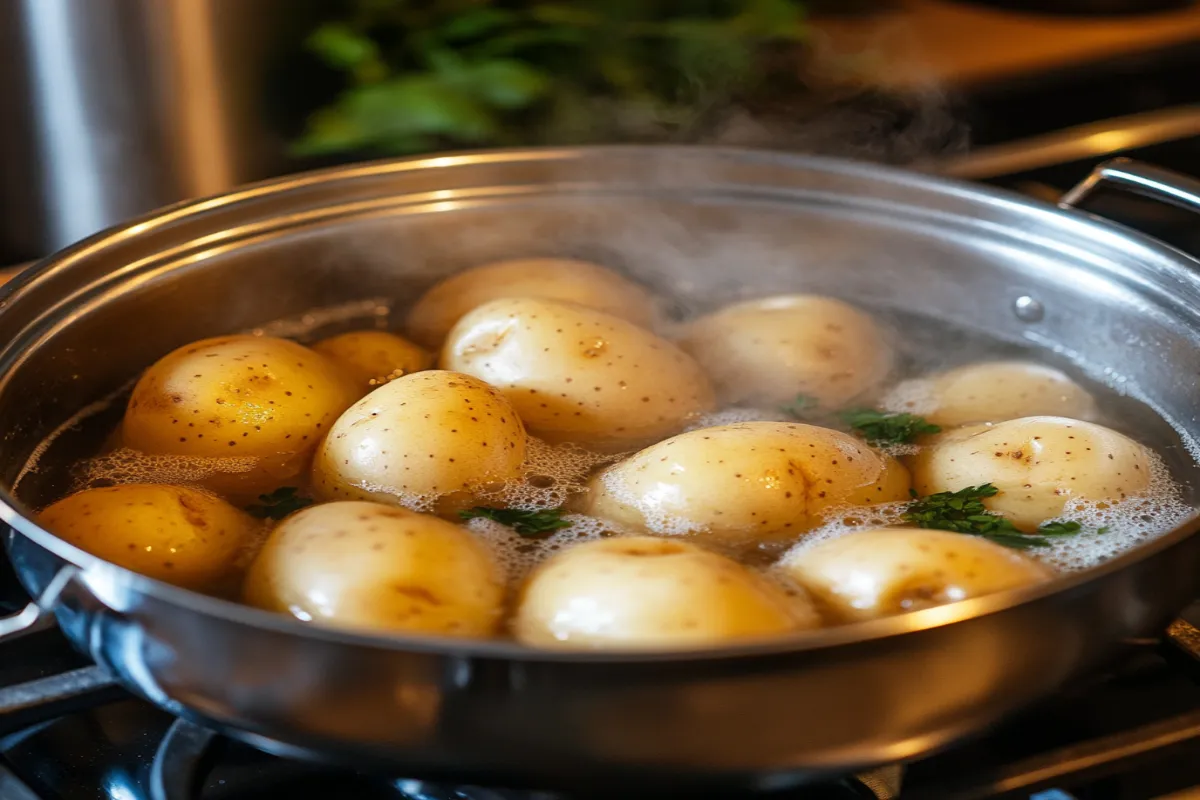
column 38, row 614
column 1141, row 179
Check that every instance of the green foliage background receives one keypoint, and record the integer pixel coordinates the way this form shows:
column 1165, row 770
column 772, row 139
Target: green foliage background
column 423, row 76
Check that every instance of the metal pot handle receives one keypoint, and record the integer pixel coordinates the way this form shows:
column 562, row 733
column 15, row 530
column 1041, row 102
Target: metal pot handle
column 1141, row 179
column 38, row 614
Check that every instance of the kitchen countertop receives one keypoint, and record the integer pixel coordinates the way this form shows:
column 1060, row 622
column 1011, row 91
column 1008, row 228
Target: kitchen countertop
column 918, row 43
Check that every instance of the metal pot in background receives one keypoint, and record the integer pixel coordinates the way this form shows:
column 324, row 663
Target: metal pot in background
column 114, row 107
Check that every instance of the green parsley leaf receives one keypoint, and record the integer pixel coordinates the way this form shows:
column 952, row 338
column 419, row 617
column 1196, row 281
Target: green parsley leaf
column 886, row 428
column 530, row 524
column 964, row 512
column 800, row 408
column 279, row 503
column 1060, row 529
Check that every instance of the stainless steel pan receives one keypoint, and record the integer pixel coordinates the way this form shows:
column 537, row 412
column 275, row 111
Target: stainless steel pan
column 699, row 224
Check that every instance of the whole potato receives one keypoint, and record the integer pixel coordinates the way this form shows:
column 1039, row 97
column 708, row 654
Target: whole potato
column 170, row 533
column 578, row 282
column 579, row 375
column 772, row 350
column 270, row 400
column 877, row 573
column 746, row 482
column 1039, row 465
column 365, row 565
column 647, row 593
column 432, row 434
column 992, row 391
column 374, row 357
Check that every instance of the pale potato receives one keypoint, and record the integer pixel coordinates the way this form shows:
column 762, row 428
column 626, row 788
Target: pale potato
column 877, row 573
column 373, row 358
column 370, row 566
column 578, row 282
column 1040, row 465
column 648, row 593
column 432, row 434
column 746, row 482
column 992, row 391
column 770, row 351
column 248, row 397
column 579, row 375
column 171, row 533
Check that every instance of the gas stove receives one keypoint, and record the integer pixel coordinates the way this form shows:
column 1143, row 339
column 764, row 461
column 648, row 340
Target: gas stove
column 1132, row 730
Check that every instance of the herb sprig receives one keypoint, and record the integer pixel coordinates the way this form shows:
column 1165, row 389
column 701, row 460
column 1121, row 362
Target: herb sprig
column 883, row 428
column 279, row 503
column 530, row 524
column 964, row 512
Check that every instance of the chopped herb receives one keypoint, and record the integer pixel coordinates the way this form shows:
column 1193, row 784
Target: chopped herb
column 964, row 512
column 800, row 408
column 886, row 428
column 1060, row 529
column 530, row 524
column 279, row 503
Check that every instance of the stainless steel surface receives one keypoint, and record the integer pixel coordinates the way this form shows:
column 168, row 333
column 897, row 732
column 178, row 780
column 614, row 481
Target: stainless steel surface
column 704, row 225
column 1095, row 140
column 1142, row 179
column 38, row 614
column 110, row 108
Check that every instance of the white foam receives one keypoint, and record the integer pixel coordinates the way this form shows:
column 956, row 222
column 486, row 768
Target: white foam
column 130, row 466
column 520, row 555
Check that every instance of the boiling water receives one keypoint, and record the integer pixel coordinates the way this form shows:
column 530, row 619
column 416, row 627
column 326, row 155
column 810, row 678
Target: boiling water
column 555, row 475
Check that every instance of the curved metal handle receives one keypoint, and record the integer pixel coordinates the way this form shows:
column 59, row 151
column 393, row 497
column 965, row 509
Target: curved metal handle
column 37, row 615
column 1146, row 180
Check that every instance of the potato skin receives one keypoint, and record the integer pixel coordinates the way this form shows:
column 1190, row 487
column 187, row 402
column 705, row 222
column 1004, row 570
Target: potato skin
column 994, row 391
column 370, row 566
column 170, row 533
column 771, row 350
column 429, row 434
column 579, row 375
column 878, row 573
column 374, row 356
column 648, row 593
column 744, row 483
column 580, row 282
column 238, row 396
column 1039, row 465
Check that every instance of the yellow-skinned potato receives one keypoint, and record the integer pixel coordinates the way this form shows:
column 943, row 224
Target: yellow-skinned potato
column 366, row 565
column 579, row 375
column 772, row 350
column 877, row 573
column 171, row 533
column 992, row 391
column 648, row 593
column 429, row 434
column 1039, row 465
column 374, row 357
column 566, row 279
column 746, row 482
column 255, row 397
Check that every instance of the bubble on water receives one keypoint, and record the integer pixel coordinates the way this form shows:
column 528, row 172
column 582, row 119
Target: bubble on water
column 845, row 520
column 519, row 555
column 130, row 466
column 1111, row 528
column 916, row 396
column 732, row 416
column 550, row 476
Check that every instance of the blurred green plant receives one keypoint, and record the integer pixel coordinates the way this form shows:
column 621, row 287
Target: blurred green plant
column 423, row 76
